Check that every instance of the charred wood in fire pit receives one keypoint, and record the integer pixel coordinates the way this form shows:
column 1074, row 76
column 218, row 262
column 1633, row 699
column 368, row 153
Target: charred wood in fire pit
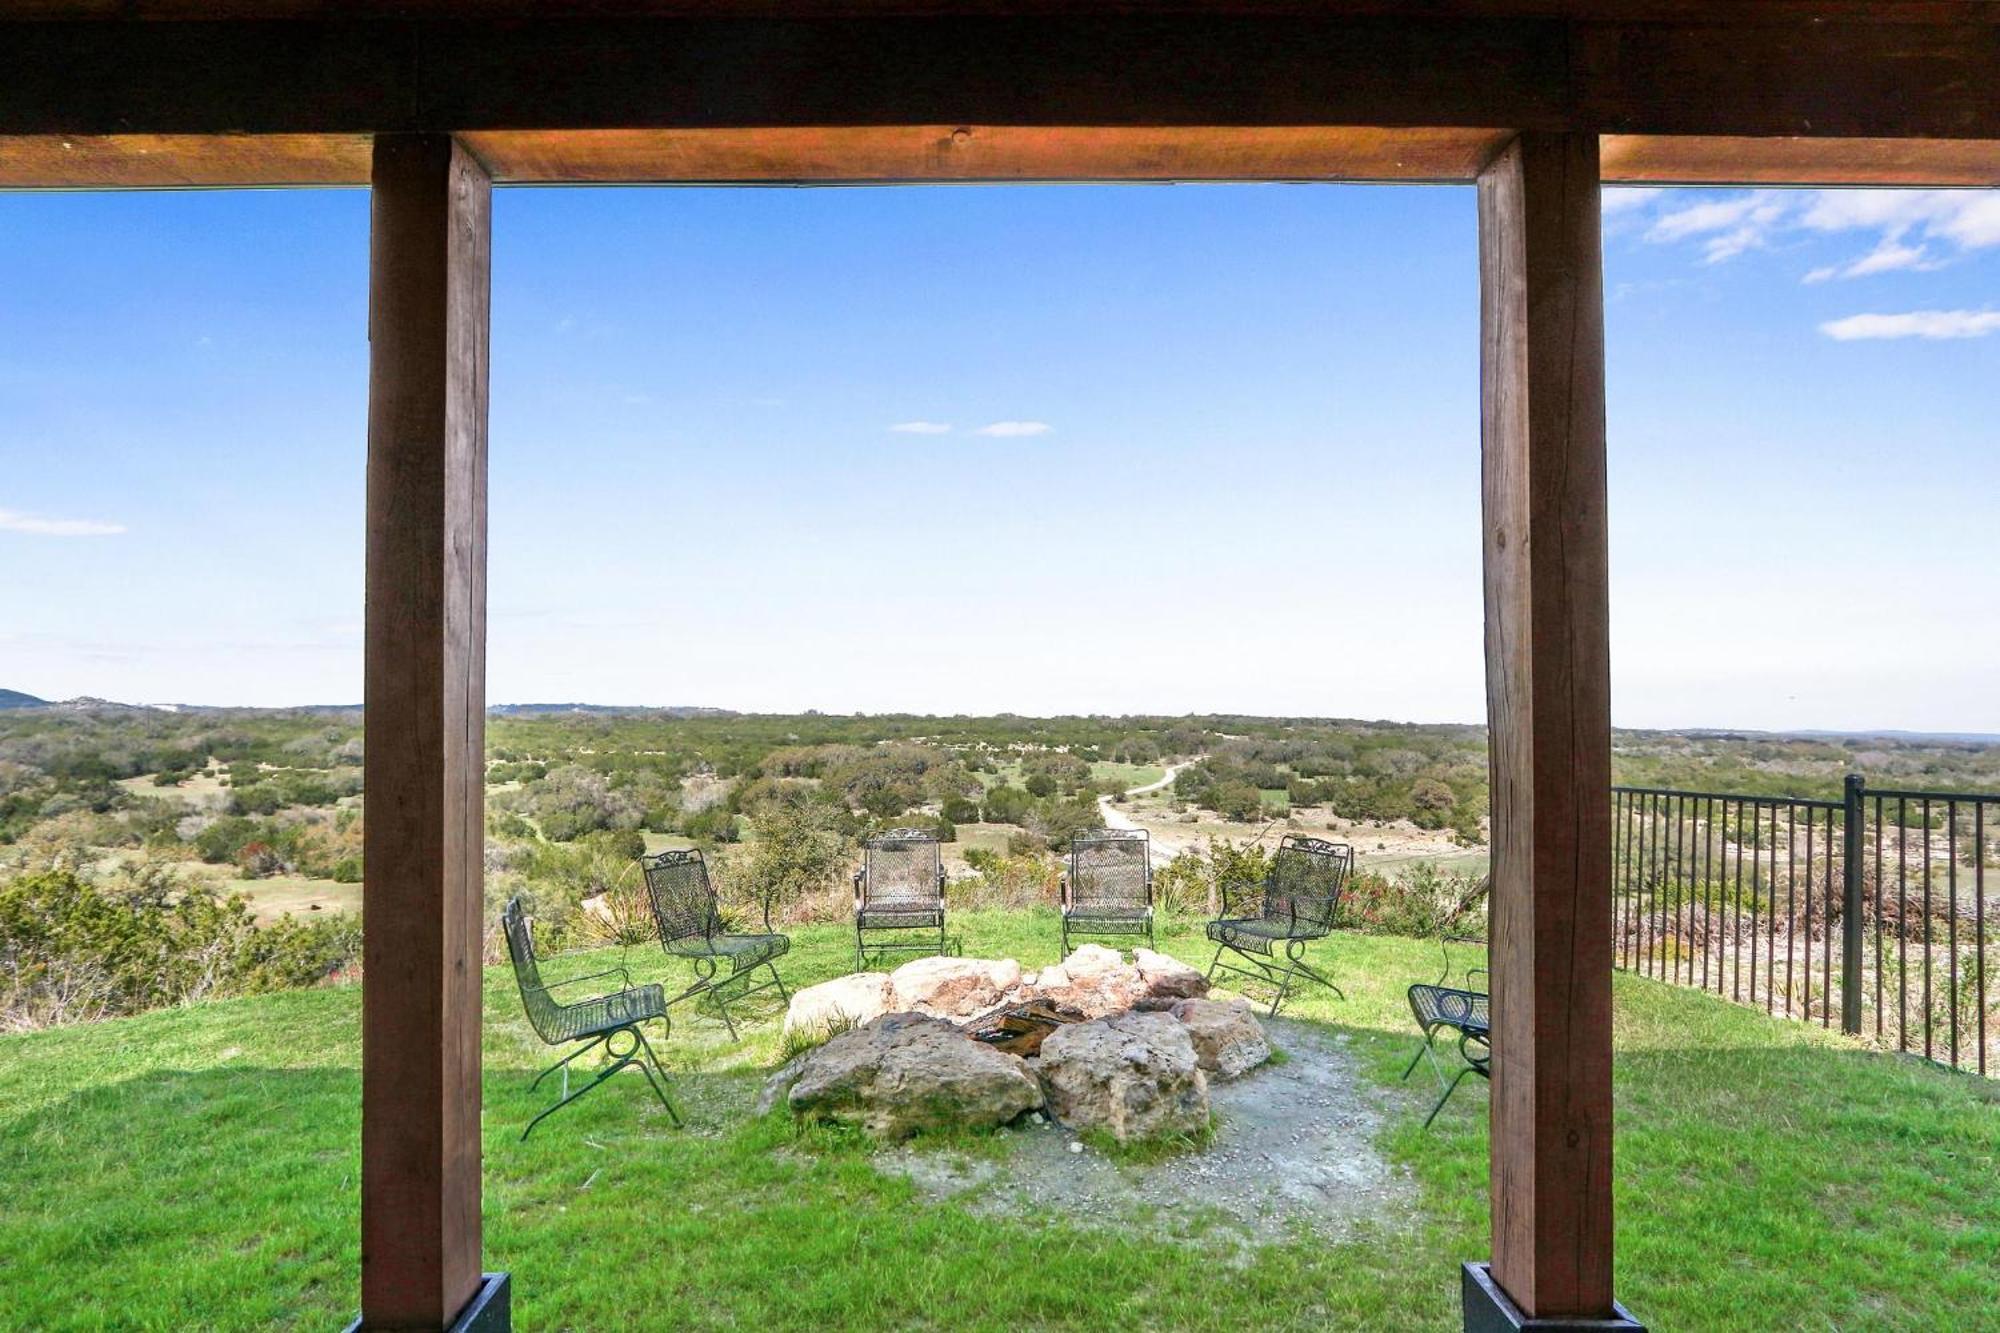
column 1022, row 1029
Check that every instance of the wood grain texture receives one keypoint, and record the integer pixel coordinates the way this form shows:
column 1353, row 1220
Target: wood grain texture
column 425, row 710
column 1638, row 159
column 1814, row 70
column 880, row 154
column 1549, row 710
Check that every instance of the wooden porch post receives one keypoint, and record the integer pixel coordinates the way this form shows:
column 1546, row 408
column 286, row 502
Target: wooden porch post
column 425, row 698
column 1548, row 691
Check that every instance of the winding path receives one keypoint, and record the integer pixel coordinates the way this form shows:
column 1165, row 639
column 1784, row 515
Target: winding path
column 1115, row 818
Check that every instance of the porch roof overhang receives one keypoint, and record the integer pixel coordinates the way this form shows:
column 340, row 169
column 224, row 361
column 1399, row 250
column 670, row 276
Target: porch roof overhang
column 151, row 93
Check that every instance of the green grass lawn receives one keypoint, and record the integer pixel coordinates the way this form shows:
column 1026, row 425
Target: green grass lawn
column 197, row 1169
column 1127, row 776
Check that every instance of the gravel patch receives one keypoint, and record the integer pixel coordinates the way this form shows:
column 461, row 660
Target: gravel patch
column 1294, row 1147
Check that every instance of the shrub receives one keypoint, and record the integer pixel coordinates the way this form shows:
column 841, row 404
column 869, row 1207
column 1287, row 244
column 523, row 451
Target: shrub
column 72, row 949
column 1015, row 880
column 800, row 849
column 960, row 810
column 1423, row 902
column 1007, row 805
column 1204, row 882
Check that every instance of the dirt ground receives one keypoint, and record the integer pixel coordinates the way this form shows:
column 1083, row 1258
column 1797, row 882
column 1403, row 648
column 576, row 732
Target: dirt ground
column 1294, row 1146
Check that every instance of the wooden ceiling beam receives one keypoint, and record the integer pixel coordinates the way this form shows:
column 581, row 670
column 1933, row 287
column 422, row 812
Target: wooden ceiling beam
column 894, row 154
column 1842, row 75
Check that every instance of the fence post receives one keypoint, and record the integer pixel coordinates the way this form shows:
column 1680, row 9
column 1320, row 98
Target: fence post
column 1850, row 914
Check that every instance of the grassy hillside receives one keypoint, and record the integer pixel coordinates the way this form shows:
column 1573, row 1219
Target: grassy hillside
column 197, row 1169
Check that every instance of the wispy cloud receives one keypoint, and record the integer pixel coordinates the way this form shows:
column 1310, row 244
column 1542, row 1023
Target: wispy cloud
column 1914, row 324
column 1726, row 227
column 1615, row 199
column 922, row 428
column 1014, row 429
column 1915, row 230
column 14, row 521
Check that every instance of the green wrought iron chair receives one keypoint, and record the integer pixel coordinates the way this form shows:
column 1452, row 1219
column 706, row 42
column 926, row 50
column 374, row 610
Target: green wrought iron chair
column 690, row 926
column 601, row 1022
column 899, row 888
column 1109, row 887
column 1460, row 1009
column 1296, row 903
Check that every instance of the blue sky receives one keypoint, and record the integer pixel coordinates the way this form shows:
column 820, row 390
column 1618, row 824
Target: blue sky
column 1161, row 449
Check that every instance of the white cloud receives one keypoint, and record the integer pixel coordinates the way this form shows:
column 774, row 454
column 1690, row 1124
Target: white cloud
column 14, row 521
column 1014, row 429
column 1615, row 199
column 1727, row 227
column 1915, row 324
column 921, row 428
column 1917, row 230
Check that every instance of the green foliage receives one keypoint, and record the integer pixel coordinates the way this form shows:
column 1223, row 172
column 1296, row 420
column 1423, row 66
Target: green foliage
column 1222, row 877
column 74, row 949
column 800, row 848
column 1011, row 880
column 1423, row 902
column 1008, row 805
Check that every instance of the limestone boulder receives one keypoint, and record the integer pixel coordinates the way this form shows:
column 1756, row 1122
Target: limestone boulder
column 1168, row 978
column 1228, row 1039
column 844, row 1002
column 903, row 1073
column 1096, row 980
column 1134, row 1076
column 953, row 987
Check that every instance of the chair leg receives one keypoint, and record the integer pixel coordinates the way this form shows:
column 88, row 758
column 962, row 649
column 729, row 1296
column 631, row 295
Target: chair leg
column 581, row 1051
column 722, row 1008
column 1430, row 1035
column 771, row 965
column 1450, row 1088
column 652, row 1058
column 569, row 1097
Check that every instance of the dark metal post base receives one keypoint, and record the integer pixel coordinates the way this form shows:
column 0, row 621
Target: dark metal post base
column 1488, row 1309
column 491, row 1309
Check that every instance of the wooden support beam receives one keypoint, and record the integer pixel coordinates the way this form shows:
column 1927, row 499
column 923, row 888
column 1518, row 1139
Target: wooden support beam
column 1548, row 691
column 425, row 695
column 1710, row 68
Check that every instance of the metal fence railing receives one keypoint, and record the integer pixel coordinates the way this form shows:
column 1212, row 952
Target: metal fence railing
column 1876, row 910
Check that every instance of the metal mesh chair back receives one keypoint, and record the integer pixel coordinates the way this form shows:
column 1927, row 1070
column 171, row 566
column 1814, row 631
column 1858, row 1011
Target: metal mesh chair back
column 543, row 1012
column 1109, row 870
column 683, row 900
column 900, row 871
column 1304, row 882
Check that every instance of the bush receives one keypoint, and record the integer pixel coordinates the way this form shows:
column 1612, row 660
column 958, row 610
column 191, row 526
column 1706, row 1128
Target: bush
column 1425, row 902
column 800, row 849
column 960, row 810
column 1202, row 883
column 1008, row 805
column 72, row 949
column 1016, row 880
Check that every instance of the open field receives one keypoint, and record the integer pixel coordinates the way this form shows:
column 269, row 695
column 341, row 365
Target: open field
column 276, row 895
column 197, row 1168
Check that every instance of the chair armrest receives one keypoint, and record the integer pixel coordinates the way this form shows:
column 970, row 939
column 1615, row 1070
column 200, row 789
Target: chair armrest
column 620, row 972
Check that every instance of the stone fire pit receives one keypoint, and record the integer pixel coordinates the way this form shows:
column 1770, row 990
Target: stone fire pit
column 1123, row 1047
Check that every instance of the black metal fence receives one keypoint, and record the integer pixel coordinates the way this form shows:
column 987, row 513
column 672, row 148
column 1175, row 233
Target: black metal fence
column 1875, row 910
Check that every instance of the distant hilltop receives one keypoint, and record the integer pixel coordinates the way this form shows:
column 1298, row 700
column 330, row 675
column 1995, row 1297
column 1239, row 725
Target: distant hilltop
column 84, row 703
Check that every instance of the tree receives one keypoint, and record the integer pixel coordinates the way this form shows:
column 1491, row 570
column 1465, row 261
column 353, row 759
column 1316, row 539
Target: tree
column 800, row 848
